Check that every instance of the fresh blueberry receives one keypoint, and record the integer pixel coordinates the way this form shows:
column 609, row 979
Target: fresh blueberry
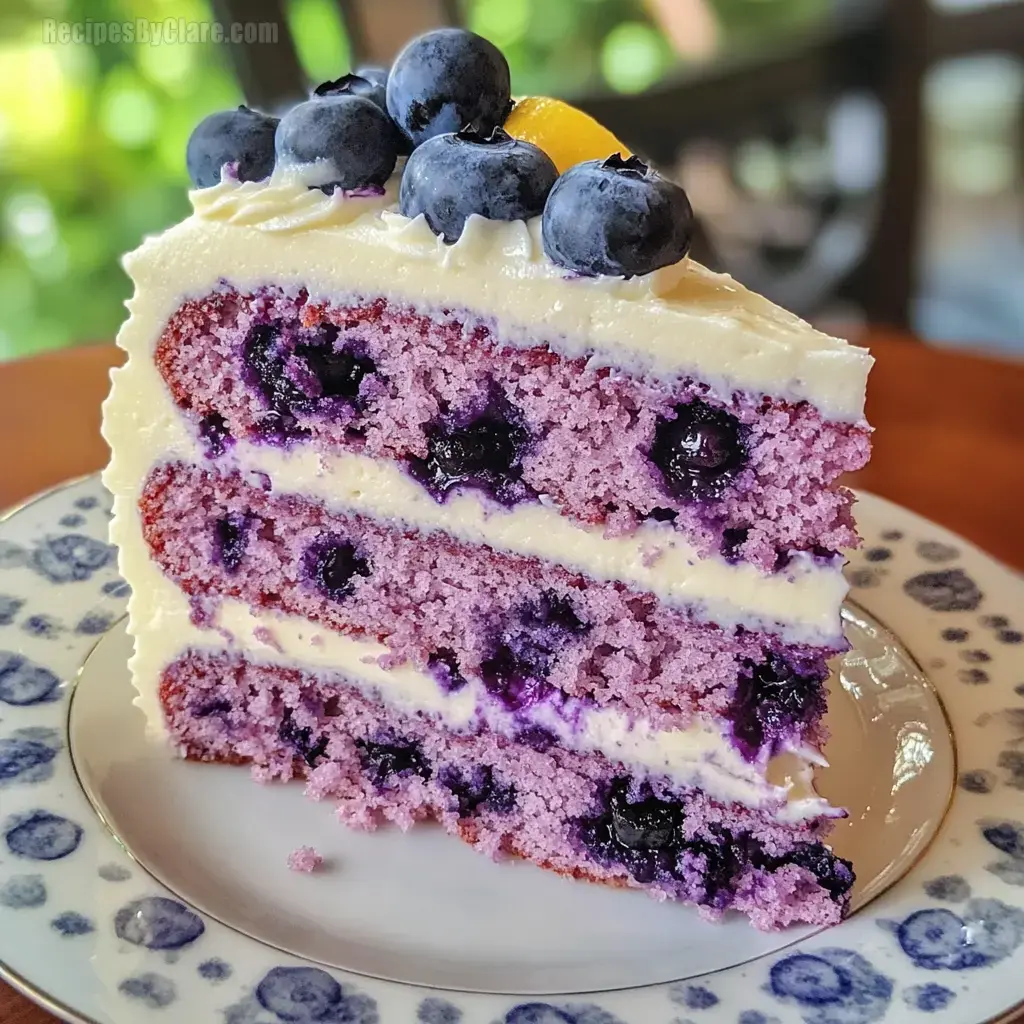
column 385, row 760
column 343, row 140
column 700, row 452
column 645, row 825
column 455, row 175
column 374, row 74
column 243, row 139
column 485, row 454
column 373, row 89
column 371, row 83
column 616, row 217
column 448, row 79
column 333, row 566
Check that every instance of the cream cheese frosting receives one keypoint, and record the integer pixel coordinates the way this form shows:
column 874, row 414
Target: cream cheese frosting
column 682, row 320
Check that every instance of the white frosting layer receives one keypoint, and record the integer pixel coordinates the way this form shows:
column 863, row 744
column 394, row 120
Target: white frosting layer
column 143, row 426
column 698, row 756
column 679, row 321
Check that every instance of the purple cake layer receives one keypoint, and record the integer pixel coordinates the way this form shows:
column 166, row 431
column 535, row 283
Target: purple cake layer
column 579, row 815
column 439, row 395
column 520, row 625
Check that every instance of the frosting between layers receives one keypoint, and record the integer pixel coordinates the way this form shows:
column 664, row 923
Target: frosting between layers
column 700, row 755
column 144, row 427
column 680, row 321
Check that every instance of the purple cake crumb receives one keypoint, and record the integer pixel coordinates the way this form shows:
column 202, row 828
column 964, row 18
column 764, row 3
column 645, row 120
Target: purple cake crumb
column 304, row 859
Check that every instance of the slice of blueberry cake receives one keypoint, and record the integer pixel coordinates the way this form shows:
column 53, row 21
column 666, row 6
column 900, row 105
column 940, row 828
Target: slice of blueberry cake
column 445, row 482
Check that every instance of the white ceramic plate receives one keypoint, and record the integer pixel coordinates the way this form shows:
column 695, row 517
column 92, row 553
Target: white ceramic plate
column 136, row 888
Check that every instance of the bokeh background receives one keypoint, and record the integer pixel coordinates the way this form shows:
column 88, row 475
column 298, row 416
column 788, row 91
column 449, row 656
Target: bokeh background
column 92, row 141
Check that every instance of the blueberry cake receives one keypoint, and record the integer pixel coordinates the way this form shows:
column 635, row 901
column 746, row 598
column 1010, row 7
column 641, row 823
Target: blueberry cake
column 445, row 482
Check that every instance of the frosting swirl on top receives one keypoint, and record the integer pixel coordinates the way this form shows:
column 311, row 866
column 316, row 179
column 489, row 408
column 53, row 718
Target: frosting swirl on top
column 285, row 203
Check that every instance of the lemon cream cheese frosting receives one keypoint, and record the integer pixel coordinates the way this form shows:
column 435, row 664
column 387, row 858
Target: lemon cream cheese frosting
column 447, row 482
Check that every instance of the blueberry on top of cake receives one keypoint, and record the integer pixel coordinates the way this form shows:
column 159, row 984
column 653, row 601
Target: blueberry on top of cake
column 445, row 480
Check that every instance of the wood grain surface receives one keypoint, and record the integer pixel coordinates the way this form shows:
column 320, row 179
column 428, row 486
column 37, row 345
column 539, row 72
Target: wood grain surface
column 949, row 444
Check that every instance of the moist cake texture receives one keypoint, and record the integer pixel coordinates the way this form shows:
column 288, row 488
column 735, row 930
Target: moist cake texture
column 458, row 504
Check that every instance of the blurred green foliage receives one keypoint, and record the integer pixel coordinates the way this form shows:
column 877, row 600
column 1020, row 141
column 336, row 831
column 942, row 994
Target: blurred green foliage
column 92, row 137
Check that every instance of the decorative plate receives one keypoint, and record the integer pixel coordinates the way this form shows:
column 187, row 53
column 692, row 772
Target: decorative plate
column 137, row 888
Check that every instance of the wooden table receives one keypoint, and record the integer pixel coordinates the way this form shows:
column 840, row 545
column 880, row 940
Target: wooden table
column 949, row 444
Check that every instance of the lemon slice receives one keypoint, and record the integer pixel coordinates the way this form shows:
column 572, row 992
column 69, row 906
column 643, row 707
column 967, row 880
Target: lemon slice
column 567, row 135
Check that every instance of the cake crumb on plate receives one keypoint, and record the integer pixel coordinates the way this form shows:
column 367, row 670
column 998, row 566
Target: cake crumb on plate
column 305, row 858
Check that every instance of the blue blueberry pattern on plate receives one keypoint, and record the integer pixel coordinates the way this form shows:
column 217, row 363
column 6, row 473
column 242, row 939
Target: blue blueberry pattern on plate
column 214, row 970
column 22, row 892
column 157, row 922
column 9, row 608
column 95, row 624
column 116, row 588
column 305, row 995
column 831, row 986
column 71, row 923
column 438, row 1011
column 41, row 835
column 755, row 1017
column 27, row 755
column 152, row 990
column 571, row 1013
column 1007, row 836
column 12, row 556
column 951, row 888
column 71, row 558
column 693, row 997
column 936, row 939
column 948, row 590
column 114, row 873
column 23, row 682
column 928, row 998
